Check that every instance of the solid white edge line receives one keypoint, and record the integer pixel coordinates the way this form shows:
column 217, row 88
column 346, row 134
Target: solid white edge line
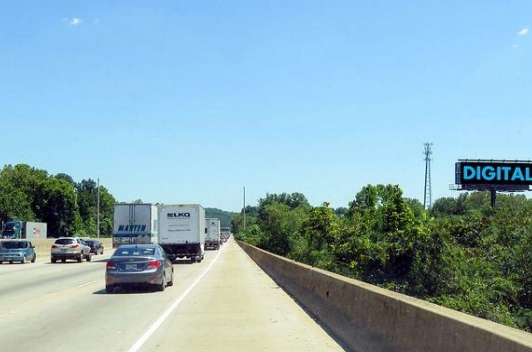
column 86, row 284
column 137, row 345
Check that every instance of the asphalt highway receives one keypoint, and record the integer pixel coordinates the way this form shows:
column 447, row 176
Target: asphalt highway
column 225, row 303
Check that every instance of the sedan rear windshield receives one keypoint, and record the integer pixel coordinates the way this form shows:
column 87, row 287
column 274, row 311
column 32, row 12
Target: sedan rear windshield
column 134, row 252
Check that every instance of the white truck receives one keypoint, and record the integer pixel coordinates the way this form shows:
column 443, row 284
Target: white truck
column 182, row 231
column 135, row 223
column 212, row 237
column 24, row 229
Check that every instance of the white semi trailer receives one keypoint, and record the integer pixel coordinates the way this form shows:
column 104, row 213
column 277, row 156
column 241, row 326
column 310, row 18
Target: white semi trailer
column 24, row 229
column 135, row 223
column 182, row 231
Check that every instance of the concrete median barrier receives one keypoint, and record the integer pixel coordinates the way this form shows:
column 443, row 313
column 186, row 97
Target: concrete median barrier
column 367, row 318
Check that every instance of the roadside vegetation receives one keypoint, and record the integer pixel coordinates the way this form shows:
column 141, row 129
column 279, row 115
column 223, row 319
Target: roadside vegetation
column 462, row 253
column 68, row 207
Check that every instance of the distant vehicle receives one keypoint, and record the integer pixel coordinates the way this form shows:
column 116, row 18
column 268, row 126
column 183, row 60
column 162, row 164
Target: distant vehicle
column 95, row 245
column 139, row 264
column 73, row 248
column 182, row 231
column 17, row 251
column 24, row 229
column 225, row 233
column 212, row 236
column 134, row 223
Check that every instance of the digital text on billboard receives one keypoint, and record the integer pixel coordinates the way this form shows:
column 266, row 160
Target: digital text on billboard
column 493, row 173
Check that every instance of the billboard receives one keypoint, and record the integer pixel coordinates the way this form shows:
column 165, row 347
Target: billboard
column 510, row 174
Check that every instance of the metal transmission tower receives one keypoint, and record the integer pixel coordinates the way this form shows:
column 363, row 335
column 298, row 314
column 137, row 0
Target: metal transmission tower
column 427, row 200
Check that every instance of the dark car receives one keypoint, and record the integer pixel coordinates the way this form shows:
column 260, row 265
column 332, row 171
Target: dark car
column 96, row 246
column 139, row 264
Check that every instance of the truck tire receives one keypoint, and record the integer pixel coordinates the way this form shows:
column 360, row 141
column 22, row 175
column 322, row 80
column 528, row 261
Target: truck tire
column 63, row 260
column 88, row 257
column 53, row 260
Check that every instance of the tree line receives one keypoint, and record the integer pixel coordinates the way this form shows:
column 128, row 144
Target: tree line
column 68, row 207
column 463, row 253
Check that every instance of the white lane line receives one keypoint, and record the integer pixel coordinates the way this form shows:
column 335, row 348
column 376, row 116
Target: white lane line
column 169, row 311
column 86, row 284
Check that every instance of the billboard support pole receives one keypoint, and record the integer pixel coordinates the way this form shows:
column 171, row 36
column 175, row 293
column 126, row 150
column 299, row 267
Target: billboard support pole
column 493, row 197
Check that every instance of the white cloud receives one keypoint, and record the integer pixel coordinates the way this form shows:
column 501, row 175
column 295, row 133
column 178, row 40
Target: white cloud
column 74, row 21
column 523, row 32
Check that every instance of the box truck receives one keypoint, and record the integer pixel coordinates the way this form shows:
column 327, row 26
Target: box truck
column 212, row 237
column 24, row 229
column 182, row 231
column 135, row 223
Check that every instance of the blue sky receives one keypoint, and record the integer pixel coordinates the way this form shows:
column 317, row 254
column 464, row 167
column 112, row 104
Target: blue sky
column 190, row 101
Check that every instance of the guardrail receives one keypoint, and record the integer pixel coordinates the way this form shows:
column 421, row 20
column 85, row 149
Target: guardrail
column 367, row 318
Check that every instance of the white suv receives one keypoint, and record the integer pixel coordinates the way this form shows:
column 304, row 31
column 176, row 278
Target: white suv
column 73, row 248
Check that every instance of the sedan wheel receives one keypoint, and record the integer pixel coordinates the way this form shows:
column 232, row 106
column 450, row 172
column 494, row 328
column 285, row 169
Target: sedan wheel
column 171, row 282
column 162, row 286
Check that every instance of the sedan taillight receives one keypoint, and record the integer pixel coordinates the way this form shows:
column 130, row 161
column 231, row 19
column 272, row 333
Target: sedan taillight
column 154, row 264
column 110, row 265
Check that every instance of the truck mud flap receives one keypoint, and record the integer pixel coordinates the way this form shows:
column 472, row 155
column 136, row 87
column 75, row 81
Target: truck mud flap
column 180, row 251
